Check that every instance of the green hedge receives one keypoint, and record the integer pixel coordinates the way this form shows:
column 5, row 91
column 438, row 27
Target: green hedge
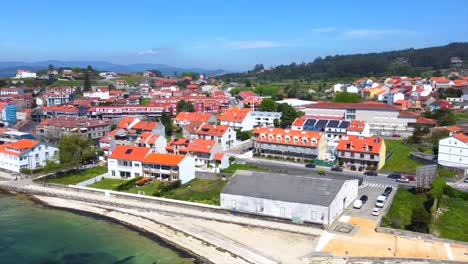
column 127, row 185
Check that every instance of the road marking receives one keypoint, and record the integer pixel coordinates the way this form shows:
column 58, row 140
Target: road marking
column 344, row 218
column 449, row 251
column 323, row 241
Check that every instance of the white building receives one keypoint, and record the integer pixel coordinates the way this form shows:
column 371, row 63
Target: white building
column 392, row 97
column 264, row 119
column 24, row 74
column 26, row 154
column 352, row 89
column 338, row 88
column 223, row 135
column 453, row 151
column 300, row 198
column 101, row 93
column 237, row 118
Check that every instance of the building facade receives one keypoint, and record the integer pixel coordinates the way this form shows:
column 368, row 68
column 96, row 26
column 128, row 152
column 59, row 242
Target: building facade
column 453, row 152
column 26, row 154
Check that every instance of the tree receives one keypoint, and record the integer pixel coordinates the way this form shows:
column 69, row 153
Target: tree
column 268, row 105
column 185, row 106
column 156, row 73
column 248, row 83
column 294, row 90
column 50, row 67
column 276, row 122
column 288, row 114
column 74, row 149
column 192, row 75
column 111, row 87
column 87, row 82
column 258, row 67
column 345, row 97
column 183, row 83
column 167, row 122
column 89, row 68
column 420, row 220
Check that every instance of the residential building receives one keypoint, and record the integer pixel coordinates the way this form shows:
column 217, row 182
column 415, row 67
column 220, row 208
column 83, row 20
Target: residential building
column 185, row 118
column 453, row 152
column 358, row 153
column 169, row 167
column 89, row 127
column 67, row 74
column 358, row 128
column 26, row 154
column 140, row 126
column 121, row 84
column 132, row 110
column 126, row 161
column 441, row 82
column 25, row 74
column 10, row 136
column 440, row 104
column 155, row 142
column 392, row 97
column 207, row 153
column 264, row 119
column 58, row 98
column 223, row 135
column 101, row 93
column 310, row 199
column 11, row 91
column 289, row 143
column 236, row 118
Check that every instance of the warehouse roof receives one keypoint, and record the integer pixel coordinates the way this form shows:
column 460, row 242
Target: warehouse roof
column 281, row 187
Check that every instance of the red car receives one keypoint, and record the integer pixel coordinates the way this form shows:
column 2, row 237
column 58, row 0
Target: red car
column 411, row 178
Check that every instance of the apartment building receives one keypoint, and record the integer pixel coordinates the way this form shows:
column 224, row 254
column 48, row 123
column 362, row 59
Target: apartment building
column 26, row 154
column 88, row 127
column 359, row 153
column 237, row 118
column 264, row 119
column 207, row 153
column 223, row 135
column 453, row 151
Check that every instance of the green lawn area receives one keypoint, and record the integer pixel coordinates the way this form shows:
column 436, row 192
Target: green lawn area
column 400, row 160
column 446, row 173
column 399, row 215
column 198, row 190
column 145, row 101
column 68, row 83
column 78, row 177
column 462, row 115
column 108, row 184
column 148, row 189
column 131, row 80
column 452, row 223
column 236, row 166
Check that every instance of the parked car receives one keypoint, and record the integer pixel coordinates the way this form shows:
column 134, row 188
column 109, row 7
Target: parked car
column 310, row 165
column 396, row 135
column 358, row 204
column 411, row 178
column 465, row 180
column 388, row 190
column 338, row 169
column 403, row 180
column 375, row 211
column 370, row 173
column 364, row 199
column 380, row 201
column 394, row 175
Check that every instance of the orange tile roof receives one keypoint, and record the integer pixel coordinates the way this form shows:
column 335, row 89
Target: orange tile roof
column 356, row 125
column 125, row 122
column 164, row 159
column 452, row 128
column 191, row 117
column 130, row 153
column 234, row 114
column 427, row 121
column 18, row 148
column 440, row 79
column 409, row 114
column 310, row 135
column 461, row 136
column 145, row 125
column 298, row 122
column 215, row 130
column 201, row 145
column 149, row 138
column 107, row 138
column 219, row 156
column 360, row 144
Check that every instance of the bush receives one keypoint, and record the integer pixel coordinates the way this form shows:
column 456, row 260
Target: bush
column 341, row 162
column 128, row 185
column 420, row 220
column 231, row 160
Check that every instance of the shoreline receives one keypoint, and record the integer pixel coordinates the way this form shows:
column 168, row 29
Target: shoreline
column 181, row 251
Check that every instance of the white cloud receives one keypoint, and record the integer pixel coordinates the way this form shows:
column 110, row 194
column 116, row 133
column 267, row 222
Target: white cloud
column 323, row 29
column 154, row 51
column 371, row 33
column 254, row 44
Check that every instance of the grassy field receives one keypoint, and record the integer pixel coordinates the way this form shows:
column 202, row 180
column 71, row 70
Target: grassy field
column 452, row 223
column 78, row 177
column 236, row 166
column 133, row 80
column 446, row 173
column 108, row 184
column 198, row 190
column 147, row 189
column 462, row 115
column 399, row 215
column 400, row 160
column 145, row 101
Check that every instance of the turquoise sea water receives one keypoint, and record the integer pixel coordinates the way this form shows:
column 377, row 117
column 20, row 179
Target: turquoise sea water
column 32, row 233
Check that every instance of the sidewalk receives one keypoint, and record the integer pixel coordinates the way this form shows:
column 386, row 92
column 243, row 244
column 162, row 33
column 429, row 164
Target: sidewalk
column 92, row 180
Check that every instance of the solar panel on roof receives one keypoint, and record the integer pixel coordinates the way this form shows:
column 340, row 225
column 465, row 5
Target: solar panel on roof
column 322, row 123
column 333, row 123
column 344, row 124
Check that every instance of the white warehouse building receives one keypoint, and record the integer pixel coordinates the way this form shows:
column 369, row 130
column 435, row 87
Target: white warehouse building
column 300, row 198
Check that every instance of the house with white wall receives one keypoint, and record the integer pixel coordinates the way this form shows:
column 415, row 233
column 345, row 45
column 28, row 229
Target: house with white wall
column 26, row 154
column 264, row 119
column 237, row 118
column 453, row 151
column 169, row 167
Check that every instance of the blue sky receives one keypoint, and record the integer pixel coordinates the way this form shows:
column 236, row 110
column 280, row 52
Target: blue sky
column 232, row 35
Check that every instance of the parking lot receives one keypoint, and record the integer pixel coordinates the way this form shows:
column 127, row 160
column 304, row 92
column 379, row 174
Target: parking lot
column 372, row 190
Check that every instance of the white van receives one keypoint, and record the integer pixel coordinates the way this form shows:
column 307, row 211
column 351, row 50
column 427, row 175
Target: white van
column 380, row 201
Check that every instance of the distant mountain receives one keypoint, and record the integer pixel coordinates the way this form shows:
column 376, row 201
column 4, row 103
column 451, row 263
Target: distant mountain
column 8, row 68
column 408, row 62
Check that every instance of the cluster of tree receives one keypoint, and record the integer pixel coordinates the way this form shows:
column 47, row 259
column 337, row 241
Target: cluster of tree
column 156, row 73
column 450, row 92
column 345, row 97
column 185, row 106
column 409, row 62
column 192, row 75
column 444, row 117
column 418, row 134
column 167, row 122
column 75, row 149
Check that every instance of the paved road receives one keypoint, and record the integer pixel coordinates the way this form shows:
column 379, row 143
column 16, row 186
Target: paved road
column 460, row 185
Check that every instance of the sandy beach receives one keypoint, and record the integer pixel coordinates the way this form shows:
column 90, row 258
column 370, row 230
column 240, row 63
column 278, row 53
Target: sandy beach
column 211, row 241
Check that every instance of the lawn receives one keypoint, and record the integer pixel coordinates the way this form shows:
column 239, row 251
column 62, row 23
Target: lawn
column 446, row 173
column 399, row 215
column 198, row 190
column 461, row 115
column 78, row 177
column 147, row 189
column 452, row 223
column 236, row 166
column 131, row 80
column 108, row 184
column 400, row 161
column 145, row 101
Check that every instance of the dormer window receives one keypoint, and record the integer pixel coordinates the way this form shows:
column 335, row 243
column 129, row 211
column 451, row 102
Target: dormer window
column 314, row 141
column 278, row 138
column 270, row 137
column 287, row 139
column 296, row 139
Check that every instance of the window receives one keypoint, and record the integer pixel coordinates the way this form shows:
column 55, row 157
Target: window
column 137, row 165
column 372, row 156
column 362, row 156
column 113, row 172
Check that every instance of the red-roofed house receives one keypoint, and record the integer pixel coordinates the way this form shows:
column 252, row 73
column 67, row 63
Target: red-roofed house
column 289, row 143
column 453, row 152
column 237, row 118
column 441, row 82
column 169, row 167
column 153, row 141
column 223, row 135
column 205, row 152
column 88, row 127
column 185, row 118
column 358, row 128
column 133, row 123
column 358, row 153
column 126, row 161
column 440, row 104
column 26, row 154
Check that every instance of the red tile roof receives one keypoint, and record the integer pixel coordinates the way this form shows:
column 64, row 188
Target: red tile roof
column 234, row 114
column 360, row 144
column 219, row 156
column 130, row 153
column 125, row 122
column 145, row 125
column 201, row 145
column 298, row 122
column 246, row 94
column 363, row 105
column 18, row 148
column 426, row 121
column 148, row 137
column 356, row 125
column 461, row 136
column 440, row 80
column 191, row 117
column 164, row 159
column 73, row 122
column 409, row 114
column 215, row 130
